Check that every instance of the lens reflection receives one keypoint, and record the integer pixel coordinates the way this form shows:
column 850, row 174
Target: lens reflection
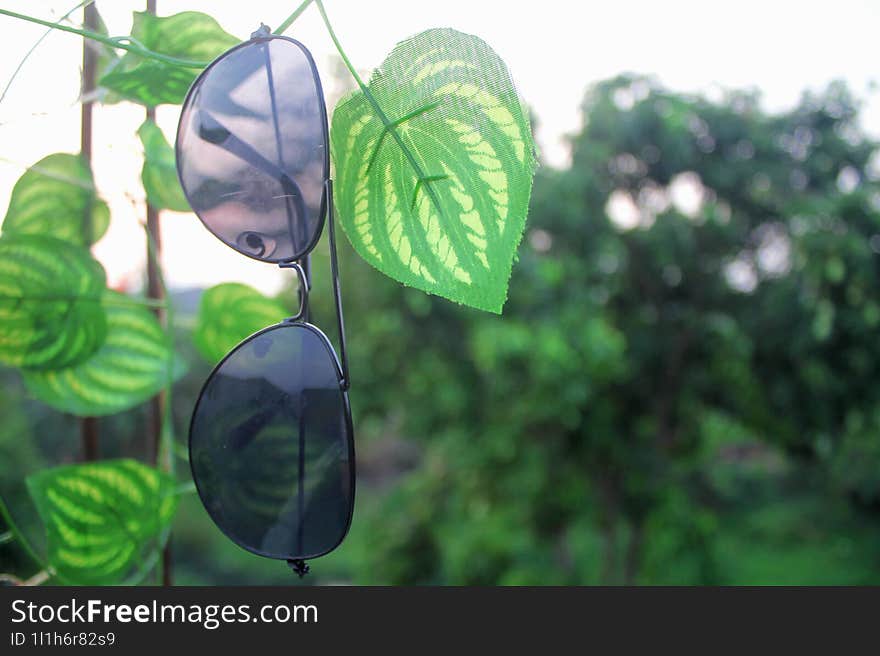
column 270, row 445
column 252, row 152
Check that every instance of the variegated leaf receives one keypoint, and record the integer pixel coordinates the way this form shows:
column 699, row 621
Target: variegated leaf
column 52, row 198
column 134, row 362
column 189, row 35
column 102, row 518
column 434, row 168
column 228, row 313
column 51, row 315
column 159, row 174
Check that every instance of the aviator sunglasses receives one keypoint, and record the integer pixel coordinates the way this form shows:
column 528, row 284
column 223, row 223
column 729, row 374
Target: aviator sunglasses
column 271, row 442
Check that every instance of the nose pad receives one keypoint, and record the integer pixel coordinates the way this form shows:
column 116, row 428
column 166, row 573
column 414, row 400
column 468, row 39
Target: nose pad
column 256, row 244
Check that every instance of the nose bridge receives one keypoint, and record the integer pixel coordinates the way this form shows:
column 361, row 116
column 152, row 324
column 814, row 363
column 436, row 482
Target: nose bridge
column 304, row 285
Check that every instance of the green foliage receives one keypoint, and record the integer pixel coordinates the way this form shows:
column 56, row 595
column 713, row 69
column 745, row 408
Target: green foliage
column 188, row 35
column 50, row 302
column 159, row 174
column 108, row 59
column 134, row 362
column 101, row 517
column 856, row 460
column 434, row 167
column 641, row 414
column 52, row 198
column 230, row 312
column 689, row 397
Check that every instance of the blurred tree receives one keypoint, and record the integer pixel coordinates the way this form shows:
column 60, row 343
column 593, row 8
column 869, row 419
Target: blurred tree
column 681, row 389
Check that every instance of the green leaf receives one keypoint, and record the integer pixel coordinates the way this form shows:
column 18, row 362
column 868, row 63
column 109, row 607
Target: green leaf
column 52, row 198
column 149, row 82
column 434, row 192
column 188, row 35
column 102, row 518
column 108, row 58
column 230, row 312
column 50, row 302
column 159, row 173
column 133, row 363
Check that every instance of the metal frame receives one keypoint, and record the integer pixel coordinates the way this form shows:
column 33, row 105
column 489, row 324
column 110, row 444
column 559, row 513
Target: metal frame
column 300, row 262
column 302, row 268
column 247, row 153
column 349, row 426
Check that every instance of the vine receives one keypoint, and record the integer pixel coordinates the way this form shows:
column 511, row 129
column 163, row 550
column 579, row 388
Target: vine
column 481, row 149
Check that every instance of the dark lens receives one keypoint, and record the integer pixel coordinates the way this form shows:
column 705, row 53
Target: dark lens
column 252, row 149
column 271, row 445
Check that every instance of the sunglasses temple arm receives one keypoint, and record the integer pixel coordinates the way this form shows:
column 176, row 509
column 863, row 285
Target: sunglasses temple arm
column 337, row 294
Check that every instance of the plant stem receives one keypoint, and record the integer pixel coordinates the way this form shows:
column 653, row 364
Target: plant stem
column 121, row 42
column 89, row 59
column 167, row 459
column 351, row 69
column 155, row 290
column 20, row 537
column 37, row 45
column 165, row 455
column 103, row 300
column 88, row 425
column 290, row 19
column 390, row 126
column 186, row 488
column 82, row 184
column 39, row 578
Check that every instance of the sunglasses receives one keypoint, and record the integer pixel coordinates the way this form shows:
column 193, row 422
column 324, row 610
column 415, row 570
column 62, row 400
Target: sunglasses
column 271, row 442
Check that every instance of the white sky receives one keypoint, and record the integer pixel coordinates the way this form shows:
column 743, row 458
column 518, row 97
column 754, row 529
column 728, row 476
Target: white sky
column 553, row 49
